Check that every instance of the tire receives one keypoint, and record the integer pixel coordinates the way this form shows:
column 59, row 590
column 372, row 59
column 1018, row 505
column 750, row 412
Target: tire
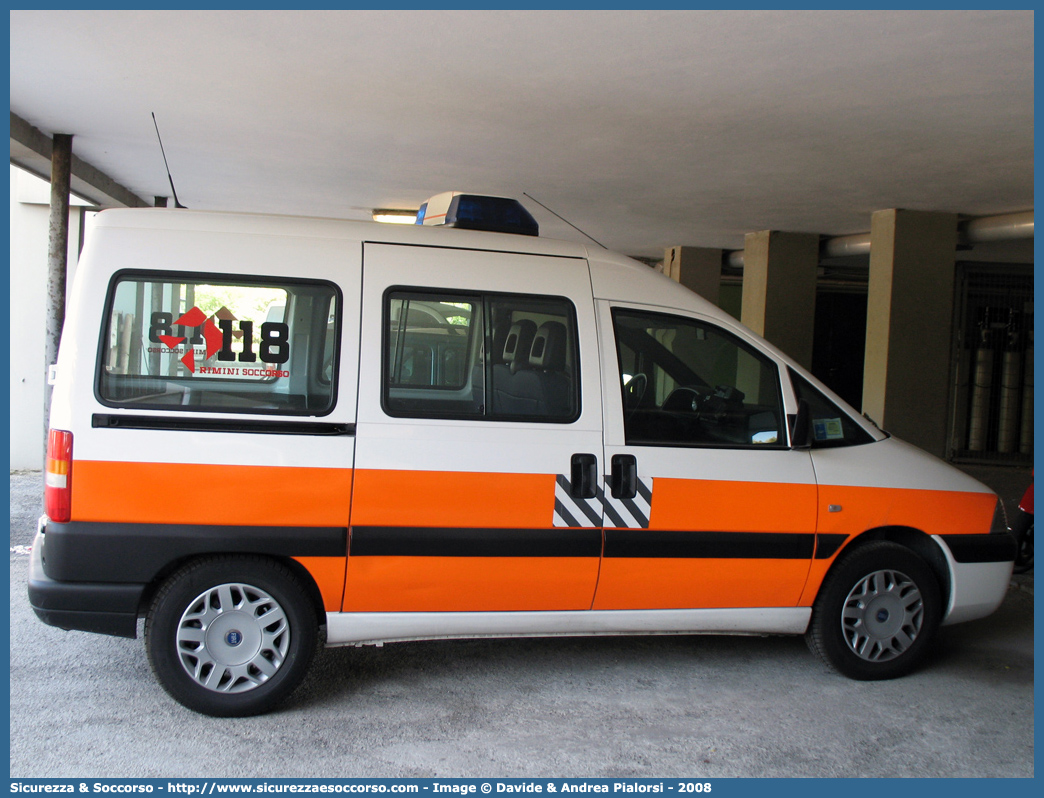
column 876, row 613
column 231, row 636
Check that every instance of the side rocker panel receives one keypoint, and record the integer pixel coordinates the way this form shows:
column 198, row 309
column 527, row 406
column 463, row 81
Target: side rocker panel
column 346, row 628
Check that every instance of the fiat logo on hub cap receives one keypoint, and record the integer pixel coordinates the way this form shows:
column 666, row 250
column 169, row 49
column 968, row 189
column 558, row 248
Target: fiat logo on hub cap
column 234, row 637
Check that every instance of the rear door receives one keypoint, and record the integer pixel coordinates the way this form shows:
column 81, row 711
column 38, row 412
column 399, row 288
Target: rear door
column 706, row 505
column 479, row 434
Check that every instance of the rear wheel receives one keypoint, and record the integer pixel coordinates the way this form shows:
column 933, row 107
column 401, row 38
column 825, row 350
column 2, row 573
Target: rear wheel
column 876, row 613
column 231, row 636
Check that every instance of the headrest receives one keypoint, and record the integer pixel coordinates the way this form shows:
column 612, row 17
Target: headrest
column 500, row 334
column 549, row 347
column 518, row 343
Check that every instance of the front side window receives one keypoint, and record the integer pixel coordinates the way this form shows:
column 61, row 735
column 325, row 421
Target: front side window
column 223, row 344
column 831, row 426
column 689, row 383
column 481, row 356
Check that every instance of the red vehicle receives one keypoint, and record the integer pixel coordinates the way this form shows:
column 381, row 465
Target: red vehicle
column 1022, row 529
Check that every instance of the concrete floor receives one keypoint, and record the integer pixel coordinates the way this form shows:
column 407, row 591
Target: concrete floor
column 704, row 707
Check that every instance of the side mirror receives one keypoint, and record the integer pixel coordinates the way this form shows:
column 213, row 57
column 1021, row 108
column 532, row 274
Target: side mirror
column 801, row 427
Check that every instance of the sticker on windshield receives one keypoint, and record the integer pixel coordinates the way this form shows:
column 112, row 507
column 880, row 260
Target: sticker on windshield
column 828, row 429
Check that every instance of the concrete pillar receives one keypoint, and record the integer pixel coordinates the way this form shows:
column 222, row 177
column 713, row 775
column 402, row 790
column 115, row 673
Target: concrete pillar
column 57, row 256
column 779, row 289
column 909, row 319
column 697, row 268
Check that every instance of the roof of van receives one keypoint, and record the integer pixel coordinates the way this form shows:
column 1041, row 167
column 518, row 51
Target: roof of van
column 266, row 224
column 613, row 276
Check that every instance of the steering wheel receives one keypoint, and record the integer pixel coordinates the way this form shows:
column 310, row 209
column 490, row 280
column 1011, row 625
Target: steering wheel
column 687, row 399
column 634, row 390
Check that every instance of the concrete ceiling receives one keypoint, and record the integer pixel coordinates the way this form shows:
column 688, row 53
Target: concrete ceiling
column 646, row 129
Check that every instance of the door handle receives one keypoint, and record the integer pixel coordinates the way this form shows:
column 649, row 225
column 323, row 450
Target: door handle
column 583, row 478
column 624, row 476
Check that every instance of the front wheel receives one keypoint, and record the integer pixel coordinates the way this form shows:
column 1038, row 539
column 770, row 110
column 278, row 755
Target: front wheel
column 876, row 613
column 231, row 636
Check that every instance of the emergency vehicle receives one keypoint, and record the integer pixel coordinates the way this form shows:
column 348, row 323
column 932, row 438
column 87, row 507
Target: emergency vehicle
column 268, row 428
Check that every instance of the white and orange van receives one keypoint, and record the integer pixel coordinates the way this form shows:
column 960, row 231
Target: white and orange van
column 265, row 428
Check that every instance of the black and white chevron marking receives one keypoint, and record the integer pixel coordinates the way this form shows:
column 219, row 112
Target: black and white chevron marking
column 630, row 513
column 570, row 511
column 619, row 513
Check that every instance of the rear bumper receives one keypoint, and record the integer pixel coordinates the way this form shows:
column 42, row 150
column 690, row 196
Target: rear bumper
column 980, row 573
column 104, row 608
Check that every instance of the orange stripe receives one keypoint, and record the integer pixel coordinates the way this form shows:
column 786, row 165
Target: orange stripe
column 721, row 506
column 328, row 573
column 655, row 583
column 816, row 574
column 934, row 512
column 469, row 584
column 453, row 499
column 166, row 493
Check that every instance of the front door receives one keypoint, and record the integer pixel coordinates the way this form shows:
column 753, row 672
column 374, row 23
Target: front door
column 707, row 506
column 479, row 441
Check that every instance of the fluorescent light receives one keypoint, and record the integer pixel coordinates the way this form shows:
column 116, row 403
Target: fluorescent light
column 394, row 216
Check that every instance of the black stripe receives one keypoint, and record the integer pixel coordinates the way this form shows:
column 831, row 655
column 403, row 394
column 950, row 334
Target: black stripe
column 635, row 511
column 453, row 542
column 84, row 551
column 827, row 545
column 385, row 541
column 258, row 426
column 981, row 548
column 708, row 545
column 593, row 515
column 565, row 514
column 644, row 492
column 563, row 483
column 610, row 513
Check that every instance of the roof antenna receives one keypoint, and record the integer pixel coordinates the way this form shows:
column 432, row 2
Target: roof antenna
column 171, row 179
column 542, row 205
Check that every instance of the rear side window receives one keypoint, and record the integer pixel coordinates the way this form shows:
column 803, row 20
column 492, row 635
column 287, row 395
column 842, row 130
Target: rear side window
column 481, row 356
column 218, row 343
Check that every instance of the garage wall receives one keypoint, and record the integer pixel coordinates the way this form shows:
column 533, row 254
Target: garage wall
column 30, row 210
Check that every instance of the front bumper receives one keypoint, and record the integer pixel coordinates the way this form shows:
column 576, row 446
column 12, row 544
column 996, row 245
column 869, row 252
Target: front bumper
column 104, row 608
column 980, row 573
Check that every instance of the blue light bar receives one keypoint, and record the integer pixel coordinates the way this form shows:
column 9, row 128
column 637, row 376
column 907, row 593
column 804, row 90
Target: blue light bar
column 477, row 212
column 499, row 214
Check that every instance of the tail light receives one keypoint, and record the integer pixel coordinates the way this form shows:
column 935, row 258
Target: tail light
column 58, row 476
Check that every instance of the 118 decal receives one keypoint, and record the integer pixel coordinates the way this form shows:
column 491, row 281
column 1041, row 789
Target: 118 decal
column 273, row 348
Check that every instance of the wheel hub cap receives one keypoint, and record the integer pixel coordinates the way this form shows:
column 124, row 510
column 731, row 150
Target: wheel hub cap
column 882, row 615
column 233, row 638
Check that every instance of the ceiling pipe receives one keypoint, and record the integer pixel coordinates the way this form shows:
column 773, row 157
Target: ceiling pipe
column 844, row 246
column 1006, row 227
